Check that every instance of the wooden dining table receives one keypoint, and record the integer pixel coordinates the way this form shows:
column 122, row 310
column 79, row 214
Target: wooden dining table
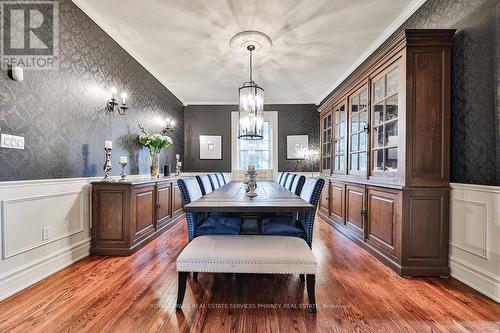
column 230, row 198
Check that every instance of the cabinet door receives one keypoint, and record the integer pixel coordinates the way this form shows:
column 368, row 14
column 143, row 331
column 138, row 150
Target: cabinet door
column 326, row 142
column 324, row 203
column 358, row 129
column 143, row 201
column 337, row 202
column 176, row 201
column 355, row 207
column 163, row 204
column 384, row 219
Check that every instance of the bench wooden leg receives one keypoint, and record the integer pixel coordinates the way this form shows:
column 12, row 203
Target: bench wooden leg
column 181, row 289
column 311, row 279
column 195, row 276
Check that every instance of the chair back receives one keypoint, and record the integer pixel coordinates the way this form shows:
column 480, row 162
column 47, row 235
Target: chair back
column 311, row 193
column 205, row 184
column 214, row 181
column 190, row 191
column 278, row 179
column 220, row 177
column 297, row 184
column 289, row 181
column 225, row 177
column 283, row 179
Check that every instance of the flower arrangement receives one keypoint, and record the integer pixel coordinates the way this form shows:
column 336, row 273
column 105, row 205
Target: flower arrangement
column 155, row 143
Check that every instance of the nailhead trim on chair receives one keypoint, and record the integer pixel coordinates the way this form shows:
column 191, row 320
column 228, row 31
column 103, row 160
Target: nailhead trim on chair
column 190, row 217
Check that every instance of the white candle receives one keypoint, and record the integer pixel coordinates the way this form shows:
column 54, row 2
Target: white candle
column 124, row 98
column 123, row 159
column 251, row 167
column 177, row 156
column 108, row 144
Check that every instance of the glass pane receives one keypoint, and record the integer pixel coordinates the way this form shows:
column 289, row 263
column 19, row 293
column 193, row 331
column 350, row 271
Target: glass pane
column 354, row 142
column 342, row 129
column 391, row 107
column 392, row 82
column 379, row 90
column 337, row 116
column 342, row 113
column 337, row 131
column 341, row 163
column 391, row 162
column 378, row 160
column 378, row 137
column 354, row 104
column 341, row 146
column 378, row 113
column 362, row 161
column 391, row 130
column 362, row 141
column 329, row 121
column 354, row 161
column 363, row 99
column 336, row 163
column 324, row 123
column 354, row 124
column 337, row 147
column 363, row 121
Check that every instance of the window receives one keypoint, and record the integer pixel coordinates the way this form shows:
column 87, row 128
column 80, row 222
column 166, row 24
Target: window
column 256, row 152
column 263, row 153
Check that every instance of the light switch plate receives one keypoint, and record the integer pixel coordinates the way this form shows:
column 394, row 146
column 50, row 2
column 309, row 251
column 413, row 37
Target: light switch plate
column 11, row 141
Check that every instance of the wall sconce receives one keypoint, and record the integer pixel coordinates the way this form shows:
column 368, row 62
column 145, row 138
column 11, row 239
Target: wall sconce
column 113, row 104
column 169, row 126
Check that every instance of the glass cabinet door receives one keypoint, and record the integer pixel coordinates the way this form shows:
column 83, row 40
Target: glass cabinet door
column 326, row 143
column 358, row 122
column 385, row 122
column 339, row 138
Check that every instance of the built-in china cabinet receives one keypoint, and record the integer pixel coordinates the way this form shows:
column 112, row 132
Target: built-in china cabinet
column 385, row 136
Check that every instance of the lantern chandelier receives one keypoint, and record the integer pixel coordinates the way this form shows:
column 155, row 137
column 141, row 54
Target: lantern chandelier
column 251, row 107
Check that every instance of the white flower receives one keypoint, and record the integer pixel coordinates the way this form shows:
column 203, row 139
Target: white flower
column 168, row 139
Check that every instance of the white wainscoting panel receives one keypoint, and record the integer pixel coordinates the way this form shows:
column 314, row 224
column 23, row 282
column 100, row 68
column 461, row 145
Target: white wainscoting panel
column 62, row 206
column 475, row 237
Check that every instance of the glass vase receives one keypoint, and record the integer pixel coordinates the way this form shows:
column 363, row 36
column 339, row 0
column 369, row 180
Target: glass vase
column 155, row 163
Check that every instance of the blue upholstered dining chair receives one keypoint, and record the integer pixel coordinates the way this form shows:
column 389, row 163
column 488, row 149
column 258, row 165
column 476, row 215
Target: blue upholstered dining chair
column 225, row 178
column 205, row 184
column 303, row 226
column 284, row 178
column 220, row 177
column 297, row 184
column 289, row 181
column 280, row 175
column 200, row 224
column 214, row 181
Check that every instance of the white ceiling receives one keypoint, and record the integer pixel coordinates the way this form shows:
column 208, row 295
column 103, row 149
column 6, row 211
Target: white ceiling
column 185, row 43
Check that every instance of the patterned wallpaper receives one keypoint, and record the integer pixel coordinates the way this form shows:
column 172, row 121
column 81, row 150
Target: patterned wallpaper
column 216, row 120
column 475, row 121
column 61, row 113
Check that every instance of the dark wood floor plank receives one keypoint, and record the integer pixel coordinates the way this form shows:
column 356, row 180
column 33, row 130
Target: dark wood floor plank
column 354, row 292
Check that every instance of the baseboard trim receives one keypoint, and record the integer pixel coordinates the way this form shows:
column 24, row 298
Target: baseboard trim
column 475, row 279
column 24, row 276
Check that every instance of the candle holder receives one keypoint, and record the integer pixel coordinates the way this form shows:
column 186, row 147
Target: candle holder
column 123, row 174
column 108, row 167
column 250, row 184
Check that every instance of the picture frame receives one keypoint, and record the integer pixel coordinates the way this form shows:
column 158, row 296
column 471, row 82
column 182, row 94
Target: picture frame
column 295, row 145
column 210, row 147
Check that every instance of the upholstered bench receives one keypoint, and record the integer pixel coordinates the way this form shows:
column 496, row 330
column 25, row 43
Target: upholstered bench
column 247, row 254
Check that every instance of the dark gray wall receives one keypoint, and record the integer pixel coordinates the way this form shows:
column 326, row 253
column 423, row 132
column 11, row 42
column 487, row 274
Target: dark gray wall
column 61, row 113
column 475, row 120
column 216, row 120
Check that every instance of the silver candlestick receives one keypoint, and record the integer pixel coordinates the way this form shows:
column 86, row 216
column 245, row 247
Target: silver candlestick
column 108, row 167
column 123, row 174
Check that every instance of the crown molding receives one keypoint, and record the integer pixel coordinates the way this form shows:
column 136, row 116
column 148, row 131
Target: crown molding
column 235, row 103
column 392, row 28
column 87, row 10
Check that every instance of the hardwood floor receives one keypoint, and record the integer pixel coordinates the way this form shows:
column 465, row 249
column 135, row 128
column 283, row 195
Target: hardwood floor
column 137, row 294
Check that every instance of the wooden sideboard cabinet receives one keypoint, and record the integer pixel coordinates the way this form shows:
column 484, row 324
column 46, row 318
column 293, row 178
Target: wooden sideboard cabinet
column 127, row 215
column 385, row 151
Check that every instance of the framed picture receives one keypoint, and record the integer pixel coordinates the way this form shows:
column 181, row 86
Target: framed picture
column 210, row 147
column 295, row 145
